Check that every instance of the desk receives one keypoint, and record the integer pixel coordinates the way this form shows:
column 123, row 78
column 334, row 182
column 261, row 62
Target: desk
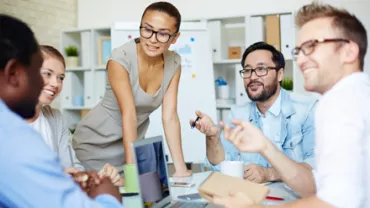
column 276, row 189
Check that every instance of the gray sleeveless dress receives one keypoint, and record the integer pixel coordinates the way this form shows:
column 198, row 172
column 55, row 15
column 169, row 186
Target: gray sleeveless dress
column 98, row 137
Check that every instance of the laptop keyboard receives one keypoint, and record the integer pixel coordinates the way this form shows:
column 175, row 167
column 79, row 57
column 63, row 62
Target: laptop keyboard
column 189, row 205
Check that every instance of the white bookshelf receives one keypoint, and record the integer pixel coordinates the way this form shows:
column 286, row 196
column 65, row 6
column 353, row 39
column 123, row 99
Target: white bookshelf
column 85, row 84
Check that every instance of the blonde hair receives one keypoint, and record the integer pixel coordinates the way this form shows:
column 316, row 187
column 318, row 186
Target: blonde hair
column 50, row 51
column 349, row 26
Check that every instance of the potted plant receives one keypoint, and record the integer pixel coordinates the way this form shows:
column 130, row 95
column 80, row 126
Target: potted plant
column 287, row 84
column 72, row 56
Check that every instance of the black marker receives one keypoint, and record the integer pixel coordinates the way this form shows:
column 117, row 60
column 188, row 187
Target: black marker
column 129, row 194
column 193, row 124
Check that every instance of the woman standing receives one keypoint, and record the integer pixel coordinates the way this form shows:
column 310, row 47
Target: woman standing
column 49, row 122
column 143, row 74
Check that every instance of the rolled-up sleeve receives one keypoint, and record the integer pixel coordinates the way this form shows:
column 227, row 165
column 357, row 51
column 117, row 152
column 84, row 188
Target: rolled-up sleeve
column 231, row 153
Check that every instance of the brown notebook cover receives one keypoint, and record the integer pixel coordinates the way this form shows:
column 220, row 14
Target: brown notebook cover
column 218, row 184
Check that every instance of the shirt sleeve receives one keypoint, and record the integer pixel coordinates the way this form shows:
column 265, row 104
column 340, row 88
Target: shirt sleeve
column 231, row 153
column 308, row 132
column 120, row 55
column 66, row 152
column 33, row 177
column 340, row 159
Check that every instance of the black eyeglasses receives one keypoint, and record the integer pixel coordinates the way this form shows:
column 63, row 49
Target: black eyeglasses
column 161, row 37
column 260, row 71
column 308, row 47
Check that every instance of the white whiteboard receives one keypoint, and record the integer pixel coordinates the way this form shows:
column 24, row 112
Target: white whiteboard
column 196, row 88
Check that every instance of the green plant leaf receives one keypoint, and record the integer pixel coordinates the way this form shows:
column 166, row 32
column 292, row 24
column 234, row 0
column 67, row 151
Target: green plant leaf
column 287, row 83
column 71, row 51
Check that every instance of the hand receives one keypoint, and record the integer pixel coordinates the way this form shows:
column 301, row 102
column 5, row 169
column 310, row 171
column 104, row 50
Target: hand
column 71, row 171
column 86, row 179
column 205, row 125
column 245, row 137
column 255, row 173
column 105, row 187
column 112, row 173
column 185, row 173
column 234, row 200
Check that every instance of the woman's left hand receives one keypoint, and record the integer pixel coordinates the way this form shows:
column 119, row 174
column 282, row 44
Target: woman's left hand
column 112, row 173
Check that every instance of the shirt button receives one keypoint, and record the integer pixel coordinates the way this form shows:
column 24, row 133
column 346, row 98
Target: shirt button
column 291, row 144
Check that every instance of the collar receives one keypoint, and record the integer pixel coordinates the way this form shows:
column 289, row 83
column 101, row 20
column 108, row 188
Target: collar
column 274, row 109
column 282, row 104
column 348, row 80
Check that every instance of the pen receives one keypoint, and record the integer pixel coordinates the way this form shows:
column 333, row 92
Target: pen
column 129, row 194
column 274, row 198
column 193, row 124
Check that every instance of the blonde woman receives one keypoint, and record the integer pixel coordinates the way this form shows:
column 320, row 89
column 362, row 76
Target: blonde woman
column 49, row 122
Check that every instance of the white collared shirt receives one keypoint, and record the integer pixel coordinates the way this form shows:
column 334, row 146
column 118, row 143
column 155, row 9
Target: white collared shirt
column 342, row 123
column 270, row 122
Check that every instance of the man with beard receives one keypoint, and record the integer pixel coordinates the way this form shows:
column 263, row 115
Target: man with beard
column 286, row 119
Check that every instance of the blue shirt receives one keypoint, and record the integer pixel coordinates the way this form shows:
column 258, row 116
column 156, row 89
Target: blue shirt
column 295, row 135
column 31, row 174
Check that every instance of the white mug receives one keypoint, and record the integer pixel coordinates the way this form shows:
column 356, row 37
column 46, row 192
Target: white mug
column 233, row 168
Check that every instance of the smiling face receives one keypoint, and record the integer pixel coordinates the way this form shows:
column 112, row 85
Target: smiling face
column 52, row 72
column 320, row 68
column 162, row 23
column 263, row 87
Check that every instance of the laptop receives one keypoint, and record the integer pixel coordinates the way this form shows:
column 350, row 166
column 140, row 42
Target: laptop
column 153, row 175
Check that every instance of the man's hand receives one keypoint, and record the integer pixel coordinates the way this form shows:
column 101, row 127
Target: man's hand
column 234, row 200
column 86, row 179
column 245, row 137
column 205, row 125
column 104, row 187
column 112, row 173
column 255, row 173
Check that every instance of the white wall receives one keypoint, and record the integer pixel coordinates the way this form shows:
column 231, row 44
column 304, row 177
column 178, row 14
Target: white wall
column 101, row 13
column 97, row 13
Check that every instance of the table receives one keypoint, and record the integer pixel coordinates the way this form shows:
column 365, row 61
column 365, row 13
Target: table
column 277, row 189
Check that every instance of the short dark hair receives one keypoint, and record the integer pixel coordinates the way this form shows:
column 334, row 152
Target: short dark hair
column 167, row 8
column 277, row 56
column 348, row 24
column 17, row 41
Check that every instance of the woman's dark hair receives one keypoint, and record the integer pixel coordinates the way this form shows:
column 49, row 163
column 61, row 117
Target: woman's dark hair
column 167, row 8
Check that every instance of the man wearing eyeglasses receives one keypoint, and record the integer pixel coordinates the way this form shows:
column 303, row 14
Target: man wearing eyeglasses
column 331, row 46
column 286, row 119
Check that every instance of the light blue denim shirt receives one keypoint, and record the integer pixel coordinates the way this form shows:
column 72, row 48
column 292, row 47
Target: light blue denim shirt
column 296, row 138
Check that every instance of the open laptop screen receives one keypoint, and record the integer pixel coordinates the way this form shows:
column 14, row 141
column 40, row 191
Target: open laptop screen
column 152, row 171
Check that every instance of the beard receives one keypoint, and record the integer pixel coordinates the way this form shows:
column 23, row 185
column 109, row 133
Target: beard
column 25, row 110
column 267, row 91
